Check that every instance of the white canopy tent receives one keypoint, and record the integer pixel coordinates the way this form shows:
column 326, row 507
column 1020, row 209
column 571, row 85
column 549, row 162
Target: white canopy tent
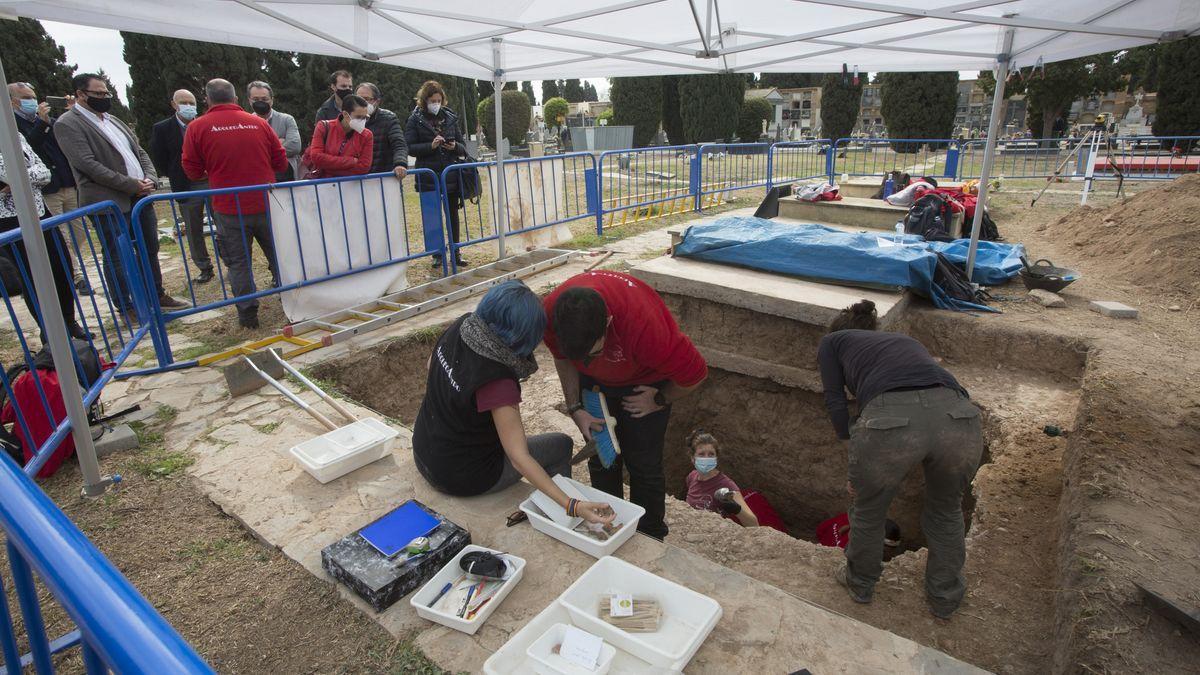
column 551, row 39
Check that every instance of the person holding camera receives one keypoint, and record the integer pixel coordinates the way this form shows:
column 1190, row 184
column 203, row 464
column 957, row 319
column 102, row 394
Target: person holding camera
column 434, row 139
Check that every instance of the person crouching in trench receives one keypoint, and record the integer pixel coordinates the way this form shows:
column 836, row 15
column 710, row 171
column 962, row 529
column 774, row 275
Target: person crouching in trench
column 468, row 439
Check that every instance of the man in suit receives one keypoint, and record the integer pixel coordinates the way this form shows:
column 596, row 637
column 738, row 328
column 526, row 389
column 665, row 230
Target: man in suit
column 166, row 151
column 109, row 163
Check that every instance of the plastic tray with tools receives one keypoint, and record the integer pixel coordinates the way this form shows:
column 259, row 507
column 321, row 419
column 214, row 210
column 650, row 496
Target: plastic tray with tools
column 628, row 515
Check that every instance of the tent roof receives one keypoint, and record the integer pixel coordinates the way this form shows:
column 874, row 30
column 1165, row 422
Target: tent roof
column 546, row 39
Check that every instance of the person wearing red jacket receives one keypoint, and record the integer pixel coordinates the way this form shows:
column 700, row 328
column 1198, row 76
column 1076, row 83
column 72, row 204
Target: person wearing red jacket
column 612, row 331
column 234, row 148
column 343, row 146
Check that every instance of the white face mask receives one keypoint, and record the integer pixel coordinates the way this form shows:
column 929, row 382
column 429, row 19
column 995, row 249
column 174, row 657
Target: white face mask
column 358, row 124
column 433, row 108
column 370, row 109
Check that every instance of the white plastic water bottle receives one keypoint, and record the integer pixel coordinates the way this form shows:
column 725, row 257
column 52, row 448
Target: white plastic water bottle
column 899, row 238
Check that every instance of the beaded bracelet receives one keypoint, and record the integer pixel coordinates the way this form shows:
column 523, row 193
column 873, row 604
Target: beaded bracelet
column 571, row 506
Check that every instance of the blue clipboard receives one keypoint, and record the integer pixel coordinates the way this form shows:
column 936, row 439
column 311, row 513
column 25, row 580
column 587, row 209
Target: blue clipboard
column 391, row 533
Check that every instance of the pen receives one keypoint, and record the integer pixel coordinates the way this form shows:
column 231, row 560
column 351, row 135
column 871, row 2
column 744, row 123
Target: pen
column 470, row 591
column 444, row 591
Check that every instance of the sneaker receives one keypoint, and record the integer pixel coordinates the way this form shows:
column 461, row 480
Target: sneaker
column 248, row 319
column 167, row 302
column 437, row 262
column 840, row 575
column 82, row 287
column 78, row 332
column 206, row 275
column 461, row 263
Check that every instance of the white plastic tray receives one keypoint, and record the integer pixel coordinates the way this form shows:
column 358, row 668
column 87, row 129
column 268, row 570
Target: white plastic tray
column 512, row 658
column 336, row 453
column 687, row 616
column 546, row 662
column 451, row 572
column 628, row 514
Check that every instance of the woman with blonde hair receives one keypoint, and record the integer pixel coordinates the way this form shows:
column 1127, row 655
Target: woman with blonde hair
column 434, row 139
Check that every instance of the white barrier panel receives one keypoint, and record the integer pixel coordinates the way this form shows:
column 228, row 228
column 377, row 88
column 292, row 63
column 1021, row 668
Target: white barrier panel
column 343, row 226
column 536, row 194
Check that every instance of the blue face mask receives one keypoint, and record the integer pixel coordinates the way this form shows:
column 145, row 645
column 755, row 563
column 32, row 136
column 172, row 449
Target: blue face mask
column 29, row 106
column 187, row 111
column 705, row 464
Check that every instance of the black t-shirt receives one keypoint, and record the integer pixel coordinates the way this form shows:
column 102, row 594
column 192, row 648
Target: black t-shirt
column 868, row 363
column 455, row 442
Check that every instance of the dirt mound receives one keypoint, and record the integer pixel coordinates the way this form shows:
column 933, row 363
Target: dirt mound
column 1151, row 239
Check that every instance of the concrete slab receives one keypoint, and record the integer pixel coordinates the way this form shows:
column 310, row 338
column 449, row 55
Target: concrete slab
column 1116, row 310
column 115, row 439
column 806, row 301
column 853, row 211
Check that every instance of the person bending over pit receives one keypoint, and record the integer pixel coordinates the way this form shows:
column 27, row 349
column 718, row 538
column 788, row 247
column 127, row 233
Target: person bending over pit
column 468, row 439
column 609, row 330
column 710, row 489
column 911, row 410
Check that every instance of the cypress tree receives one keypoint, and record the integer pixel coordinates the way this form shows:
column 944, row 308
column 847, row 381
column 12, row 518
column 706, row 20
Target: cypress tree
column 709, row 106
column 790, row 80
column 637, row 101
column 527, row 87
column 750, row 119
column 31, row 55
column 573, row 91
column 516, row 114
column 839, row 106
column 917, row 105
column 550, row 90
column 1178, row 91
column 671, row 121
column 485, row 88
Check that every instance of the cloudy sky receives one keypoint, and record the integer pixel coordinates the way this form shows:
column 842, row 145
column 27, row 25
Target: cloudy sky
column 95, row 48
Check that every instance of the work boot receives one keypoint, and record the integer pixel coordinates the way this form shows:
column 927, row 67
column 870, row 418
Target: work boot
column 248, row 318
column 167, row 302
column 841, row 575
column 206, row 275
column 131, row 317
column 82, row 287
column 940, row 610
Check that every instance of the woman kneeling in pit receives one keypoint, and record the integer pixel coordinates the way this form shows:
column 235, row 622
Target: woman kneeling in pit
column 468, row 439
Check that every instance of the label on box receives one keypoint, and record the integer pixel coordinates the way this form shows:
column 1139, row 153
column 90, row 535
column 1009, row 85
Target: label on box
column 620, row 604
column 581, row 648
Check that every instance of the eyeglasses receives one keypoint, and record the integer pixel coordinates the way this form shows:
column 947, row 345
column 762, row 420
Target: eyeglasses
column 98, row 94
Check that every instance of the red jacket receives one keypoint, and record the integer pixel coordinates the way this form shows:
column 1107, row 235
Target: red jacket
column 234, row 148
column 643, row 344
column 335, row 154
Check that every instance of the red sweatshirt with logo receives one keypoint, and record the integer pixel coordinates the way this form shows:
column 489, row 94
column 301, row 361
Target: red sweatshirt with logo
column 335, row 153
column 233, row 148
column 643, row 344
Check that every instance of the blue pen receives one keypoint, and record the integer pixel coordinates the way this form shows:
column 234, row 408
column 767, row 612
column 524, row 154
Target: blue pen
column 445, row 590
column 470, row 592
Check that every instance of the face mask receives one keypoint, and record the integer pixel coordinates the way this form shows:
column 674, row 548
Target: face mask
column 187, row 111
column 100, row 105
column 433, row 108
column 341, row 93
column 358, row 124
column 370, row 109
column 705, row 464
column 260, row 107
column 29, row 106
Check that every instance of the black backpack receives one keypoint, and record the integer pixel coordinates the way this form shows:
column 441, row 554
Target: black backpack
column 929, row 217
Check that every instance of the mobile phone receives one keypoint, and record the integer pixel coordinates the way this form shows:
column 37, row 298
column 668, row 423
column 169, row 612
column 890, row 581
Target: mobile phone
column 59, row 102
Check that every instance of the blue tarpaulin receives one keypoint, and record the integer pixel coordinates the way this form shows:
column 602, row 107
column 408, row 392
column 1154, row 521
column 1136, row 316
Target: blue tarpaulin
column 870, row 259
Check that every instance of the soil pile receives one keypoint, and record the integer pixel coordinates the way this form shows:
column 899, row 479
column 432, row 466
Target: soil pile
column 1151, row 239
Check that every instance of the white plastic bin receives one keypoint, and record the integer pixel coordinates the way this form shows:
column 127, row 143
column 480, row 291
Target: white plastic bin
column 687, row 616
column 451, row 573
column 628, row 514
column 549, row 663
column 336, row 453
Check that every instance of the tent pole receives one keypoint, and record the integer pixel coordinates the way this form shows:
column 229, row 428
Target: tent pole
column 989, row 148
column 43, row 281
column 501, row 203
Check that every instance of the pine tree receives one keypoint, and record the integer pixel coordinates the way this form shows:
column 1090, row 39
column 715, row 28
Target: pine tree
column 917, row 105
column 573, row 91
column 840, row 103
column 1178, row 91
column 709, row 106
column 637, row 101
column 789, row 80
column 31, row 55
column 671, row 120
column 527, row 87
column 549, row 90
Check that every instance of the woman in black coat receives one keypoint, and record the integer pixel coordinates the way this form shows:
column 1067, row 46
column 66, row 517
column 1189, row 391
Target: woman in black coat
column 434, row 139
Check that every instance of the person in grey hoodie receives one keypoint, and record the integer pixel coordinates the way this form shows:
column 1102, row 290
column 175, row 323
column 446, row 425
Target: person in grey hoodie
column 391, row 150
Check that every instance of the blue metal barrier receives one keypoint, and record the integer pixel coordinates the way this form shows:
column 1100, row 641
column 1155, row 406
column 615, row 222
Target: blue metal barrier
column 1148, row 157
column 332, row 252
column 728, row 167
column 541, row 192
column 646, row 182
column 118, row 629
column 107, row 312
column 1020, row 158
column 877, row 156
column 795, row 161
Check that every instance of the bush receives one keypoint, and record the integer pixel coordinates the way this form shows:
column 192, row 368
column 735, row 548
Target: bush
column 517, row 112
column 637, row 102
column 754, row 111
column 606, row 115
column 554, row 108
column 709, row 105
column 918, row 105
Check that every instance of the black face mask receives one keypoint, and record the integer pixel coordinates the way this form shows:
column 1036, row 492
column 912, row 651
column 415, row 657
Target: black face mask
column 100, row 105
column 260, row 107
column 342, row 93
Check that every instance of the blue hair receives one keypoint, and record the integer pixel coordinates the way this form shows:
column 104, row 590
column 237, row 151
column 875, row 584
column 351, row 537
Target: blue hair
column 515, row 313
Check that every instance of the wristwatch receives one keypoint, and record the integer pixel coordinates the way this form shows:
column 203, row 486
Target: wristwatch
column 660, row 400
column 574, row 408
